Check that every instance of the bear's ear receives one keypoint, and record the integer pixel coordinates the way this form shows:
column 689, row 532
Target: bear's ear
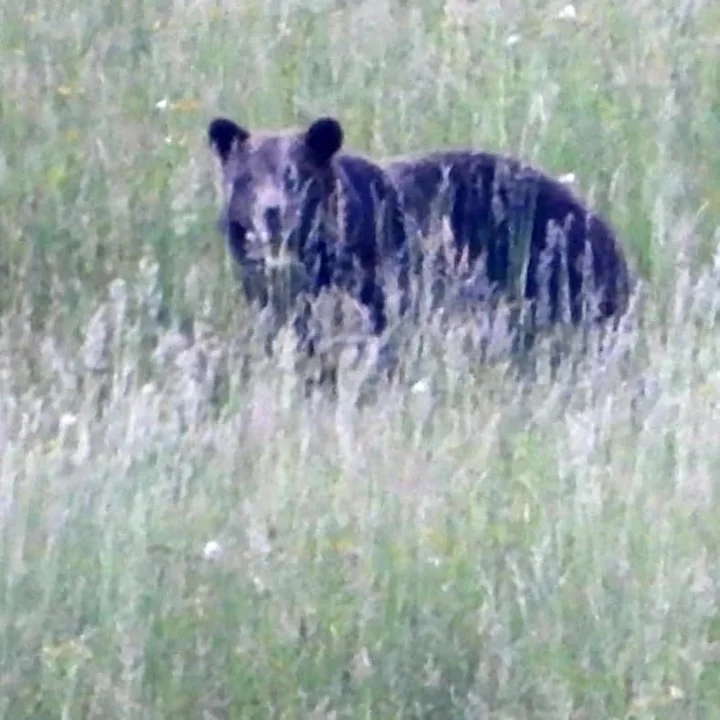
column 224, row 135
column 323, row 139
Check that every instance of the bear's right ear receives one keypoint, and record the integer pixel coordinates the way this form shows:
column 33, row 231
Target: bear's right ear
column 224, row 135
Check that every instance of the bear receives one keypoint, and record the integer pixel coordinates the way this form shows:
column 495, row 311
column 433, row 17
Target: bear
column 296, row 193
column 513, row 231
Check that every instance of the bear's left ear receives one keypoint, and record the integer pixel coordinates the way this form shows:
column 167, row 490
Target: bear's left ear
column 323, row 139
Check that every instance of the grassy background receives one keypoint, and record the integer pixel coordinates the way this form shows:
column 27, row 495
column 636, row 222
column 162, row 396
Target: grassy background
column 459, row 548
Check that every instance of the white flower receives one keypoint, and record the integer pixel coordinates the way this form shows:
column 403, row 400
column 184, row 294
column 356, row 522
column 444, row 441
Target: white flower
column 213, row 550
column 568, row 13
column 67, row 420
column 420, row 387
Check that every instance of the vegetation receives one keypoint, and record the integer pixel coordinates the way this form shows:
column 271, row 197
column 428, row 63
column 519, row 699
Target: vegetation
column 184, row 537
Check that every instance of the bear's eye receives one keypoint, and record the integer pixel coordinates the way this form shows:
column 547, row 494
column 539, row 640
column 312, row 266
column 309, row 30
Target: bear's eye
column 291, row 180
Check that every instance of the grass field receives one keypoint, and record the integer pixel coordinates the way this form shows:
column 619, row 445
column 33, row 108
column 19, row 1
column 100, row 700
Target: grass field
column 460, row 547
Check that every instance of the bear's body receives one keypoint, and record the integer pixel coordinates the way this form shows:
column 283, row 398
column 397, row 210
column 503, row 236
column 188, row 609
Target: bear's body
column 530, row 234
column 334, row 215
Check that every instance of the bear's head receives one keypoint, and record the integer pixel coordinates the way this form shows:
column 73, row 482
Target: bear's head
column 277, row 187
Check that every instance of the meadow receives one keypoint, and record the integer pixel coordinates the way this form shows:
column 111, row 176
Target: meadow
column 184, row 535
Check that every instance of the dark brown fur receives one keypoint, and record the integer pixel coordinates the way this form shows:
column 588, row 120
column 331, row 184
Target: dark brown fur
column 336, row 216
column 513, row 221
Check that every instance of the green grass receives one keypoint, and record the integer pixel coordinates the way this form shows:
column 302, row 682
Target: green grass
column 459, row 547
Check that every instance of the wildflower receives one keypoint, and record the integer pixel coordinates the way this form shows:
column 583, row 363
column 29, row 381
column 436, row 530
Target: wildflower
column 568, row 13
column 68, row 91
column 421, row 386
column 186, row 105
column 213, row 550
column 67, row 420
column 343, row 544
column 216, row 11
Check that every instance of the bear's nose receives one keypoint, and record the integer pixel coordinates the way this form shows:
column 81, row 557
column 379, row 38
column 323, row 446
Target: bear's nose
column 272, row 220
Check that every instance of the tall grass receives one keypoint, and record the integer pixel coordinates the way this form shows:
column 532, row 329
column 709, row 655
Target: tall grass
column 178, row 540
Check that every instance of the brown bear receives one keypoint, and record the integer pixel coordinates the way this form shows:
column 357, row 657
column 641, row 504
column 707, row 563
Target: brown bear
column 525, row 232
column 295, row 192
